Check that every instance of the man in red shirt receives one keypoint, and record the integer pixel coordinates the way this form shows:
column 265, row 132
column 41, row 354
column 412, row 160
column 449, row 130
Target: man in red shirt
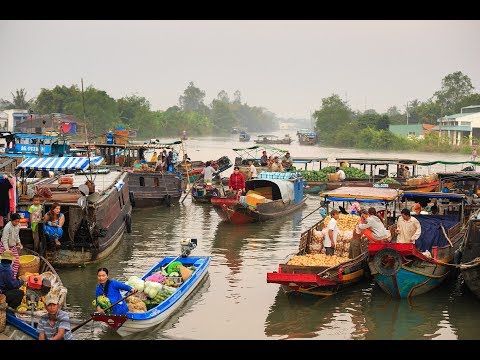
column 236, row 183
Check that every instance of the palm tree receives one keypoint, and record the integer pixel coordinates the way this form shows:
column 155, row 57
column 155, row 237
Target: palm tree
column 19, row 101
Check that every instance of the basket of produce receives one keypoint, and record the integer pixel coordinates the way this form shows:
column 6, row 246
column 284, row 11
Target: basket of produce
column 28, row 263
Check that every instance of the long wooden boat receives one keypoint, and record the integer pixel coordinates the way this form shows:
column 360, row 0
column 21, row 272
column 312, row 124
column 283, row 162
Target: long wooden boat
column 23, row 325
column 134, row 322
column 470, row 254
column 152, row 188
column 273, row 139
column 321, row 280
column 307, row 137
column 94, row 224
column 406, row 270
column 243, row 136
column 203, row 193
column 278, row 194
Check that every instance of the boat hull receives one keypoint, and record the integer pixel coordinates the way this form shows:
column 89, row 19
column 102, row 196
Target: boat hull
column 230, row 211
column 154, row 189
column 470, row 265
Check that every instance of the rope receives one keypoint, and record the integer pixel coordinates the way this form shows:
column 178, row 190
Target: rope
column 470, row 264
column 446, row 236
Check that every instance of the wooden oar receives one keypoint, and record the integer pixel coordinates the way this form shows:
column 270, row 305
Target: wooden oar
column 91, row 316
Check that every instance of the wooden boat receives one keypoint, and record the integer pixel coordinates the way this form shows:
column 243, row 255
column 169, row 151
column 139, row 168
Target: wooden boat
column 22, row 325
column 307, row 137
column 243, row 136
column 269, row 196
column 203, row 193
column 94, row 224
column 273, row 139
column 134, row 322
column 470, row 254
column 321, row 280
column 406, row 270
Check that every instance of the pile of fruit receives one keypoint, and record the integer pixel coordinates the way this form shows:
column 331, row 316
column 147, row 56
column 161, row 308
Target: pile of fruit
column 317, row 260
column 345, row 222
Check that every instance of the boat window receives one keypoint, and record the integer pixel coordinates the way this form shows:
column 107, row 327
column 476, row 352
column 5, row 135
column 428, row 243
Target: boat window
column 120, row 202
column 156, row 182
column 123, row 199
column 142, row 181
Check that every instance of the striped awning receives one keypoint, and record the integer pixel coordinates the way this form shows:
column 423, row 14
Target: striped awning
column 59, row 163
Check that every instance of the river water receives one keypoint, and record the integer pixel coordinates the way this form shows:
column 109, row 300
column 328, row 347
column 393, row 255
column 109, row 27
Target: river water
column 235, row 301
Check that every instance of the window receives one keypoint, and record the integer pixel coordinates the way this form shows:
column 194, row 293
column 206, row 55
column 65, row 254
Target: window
column 142, row 181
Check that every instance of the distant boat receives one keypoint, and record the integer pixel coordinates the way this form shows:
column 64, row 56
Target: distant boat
column 243, row 136
column 307, row 137
column 273, row 139
column 184, row 135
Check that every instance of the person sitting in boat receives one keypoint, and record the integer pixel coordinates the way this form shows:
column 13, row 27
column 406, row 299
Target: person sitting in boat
column 355, row 208
column 9, row 284
column 341, row 173
column 55, row 324
column 264, row 159
column 236, row 182
column 276, row 165
column 372, row 227
column 287, row 162
column 54, row 221
column 408, row 228
column 111, row 290
column 208, row 172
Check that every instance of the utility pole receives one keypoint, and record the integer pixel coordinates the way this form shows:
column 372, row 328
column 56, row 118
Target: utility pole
column 407, row 112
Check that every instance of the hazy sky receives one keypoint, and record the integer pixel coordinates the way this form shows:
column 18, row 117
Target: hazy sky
column 285, row 66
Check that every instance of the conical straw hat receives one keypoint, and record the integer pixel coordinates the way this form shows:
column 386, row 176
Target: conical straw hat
column 185, row 272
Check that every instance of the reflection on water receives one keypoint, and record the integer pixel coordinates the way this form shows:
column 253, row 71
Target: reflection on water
column 235, row 302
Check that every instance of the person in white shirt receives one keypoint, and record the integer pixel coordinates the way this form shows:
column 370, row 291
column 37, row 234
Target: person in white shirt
column 332, row 233
column 341, row 173
column 208, row 172
column 253, row 169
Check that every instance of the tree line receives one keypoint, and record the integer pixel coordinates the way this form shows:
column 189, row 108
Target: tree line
column 339, row 126
column 102, row 113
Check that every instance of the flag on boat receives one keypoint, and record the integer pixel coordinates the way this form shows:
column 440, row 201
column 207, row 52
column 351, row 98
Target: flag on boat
column 59, row 163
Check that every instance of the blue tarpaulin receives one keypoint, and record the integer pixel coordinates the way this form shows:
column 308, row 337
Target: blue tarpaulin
column 432, row 234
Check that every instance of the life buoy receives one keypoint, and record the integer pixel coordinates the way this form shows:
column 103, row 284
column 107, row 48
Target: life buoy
column 131, row 196
column 387, row 261
column 128, row 223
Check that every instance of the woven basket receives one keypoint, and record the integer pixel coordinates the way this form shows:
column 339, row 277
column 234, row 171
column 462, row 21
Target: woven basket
column 3, row 312
column 29, row 263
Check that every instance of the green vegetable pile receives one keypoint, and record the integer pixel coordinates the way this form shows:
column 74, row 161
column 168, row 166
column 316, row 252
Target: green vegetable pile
column 388, row 181
column 322, row 175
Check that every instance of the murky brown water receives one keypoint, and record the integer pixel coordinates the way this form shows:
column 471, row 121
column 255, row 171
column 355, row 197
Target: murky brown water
column 235, row 301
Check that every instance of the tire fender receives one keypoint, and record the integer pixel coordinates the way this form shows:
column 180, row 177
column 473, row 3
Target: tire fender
column 387, row 261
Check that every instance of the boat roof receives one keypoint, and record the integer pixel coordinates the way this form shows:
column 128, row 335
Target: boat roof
column 378, row 161
column 59, row 163
column 362, row 194
column 36, row 136
column 413, row 195
column 286, row 187
column 459, row 176
column 448, row 162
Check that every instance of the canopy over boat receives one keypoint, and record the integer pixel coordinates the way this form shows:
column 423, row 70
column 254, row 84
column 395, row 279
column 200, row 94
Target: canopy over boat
column 59, row 163
column 365, row 194
column 433, row 195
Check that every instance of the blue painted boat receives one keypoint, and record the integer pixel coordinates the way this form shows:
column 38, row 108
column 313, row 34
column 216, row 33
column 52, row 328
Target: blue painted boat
column 134, row 322
column 406, row 270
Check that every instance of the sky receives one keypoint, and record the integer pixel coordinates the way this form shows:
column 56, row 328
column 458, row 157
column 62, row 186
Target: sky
column 284, row 66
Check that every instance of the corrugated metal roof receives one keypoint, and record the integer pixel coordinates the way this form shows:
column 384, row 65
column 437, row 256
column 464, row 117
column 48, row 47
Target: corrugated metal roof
column 453, row 128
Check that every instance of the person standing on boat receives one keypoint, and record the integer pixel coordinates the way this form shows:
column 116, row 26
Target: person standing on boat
column 408, row 228
column 264, row 159
column 154, row 158
column 35, row 211
column 11, row 240
column 54, row 221
column 253, row 170
column 332, row 233
column 9, row 284
column 208, row 172
column 236, row 182
column 111, row 290
column 55, row 324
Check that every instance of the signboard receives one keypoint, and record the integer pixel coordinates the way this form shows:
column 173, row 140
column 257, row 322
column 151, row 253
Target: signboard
column 31, row 148
column 380, row 185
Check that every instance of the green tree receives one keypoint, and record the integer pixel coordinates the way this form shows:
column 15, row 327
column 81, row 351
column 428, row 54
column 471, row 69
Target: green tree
column 60, row 99
column 395, row 116
column 223, row 96
column 19, row 101
column 134, row 111
column 429, row 111
column 192, row 98
column 455, row 87
column 237, row 97
column 333, row 115
column 222, row 117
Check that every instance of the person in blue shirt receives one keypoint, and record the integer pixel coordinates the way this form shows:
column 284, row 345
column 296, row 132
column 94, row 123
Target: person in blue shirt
column 111, row 289
column 9, row 284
